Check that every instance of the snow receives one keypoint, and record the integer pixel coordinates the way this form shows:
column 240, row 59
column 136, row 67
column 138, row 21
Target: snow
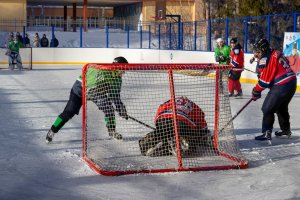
column 31, row 169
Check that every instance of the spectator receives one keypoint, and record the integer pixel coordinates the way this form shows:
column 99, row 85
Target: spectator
column 36, row 40
column 19, row 37
column 56, row 43
column 44, row 41
column 27, row 40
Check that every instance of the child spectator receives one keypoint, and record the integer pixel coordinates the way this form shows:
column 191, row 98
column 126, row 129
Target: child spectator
column 36, row 40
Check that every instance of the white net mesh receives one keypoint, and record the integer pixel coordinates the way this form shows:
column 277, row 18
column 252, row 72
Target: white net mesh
column 25, row 54
column 151, row 142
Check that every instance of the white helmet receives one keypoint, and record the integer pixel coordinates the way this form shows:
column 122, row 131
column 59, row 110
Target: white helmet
column 220, row 40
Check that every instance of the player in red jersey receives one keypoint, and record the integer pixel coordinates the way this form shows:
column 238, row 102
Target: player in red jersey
column 192, row 129
column 237, row 66
column 275, row 74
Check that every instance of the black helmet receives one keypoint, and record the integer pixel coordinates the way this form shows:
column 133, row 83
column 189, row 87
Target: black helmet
column 233, row 40
column 120, row 59
column 262, row 45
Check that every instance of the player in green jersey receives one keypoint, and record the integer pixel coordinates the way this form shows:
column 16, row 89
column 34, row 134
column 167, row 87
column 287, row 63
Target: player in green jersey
column 107, row 84
column 13, row 54
column 222, row 52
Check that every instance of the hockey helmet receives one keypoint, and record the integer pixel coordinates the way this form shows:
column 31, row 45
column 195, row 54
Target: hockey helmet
column 233, row 40
column 261, row 45
column 120, row 59
column 220, row 40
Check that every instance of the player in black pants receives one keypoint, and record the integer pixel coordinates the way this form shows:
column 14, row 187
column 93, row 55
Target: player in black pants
column 275, row 74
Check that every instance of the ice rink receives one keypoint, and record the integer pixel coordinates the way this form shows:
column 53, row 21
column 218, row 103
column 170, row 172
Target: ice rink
column 30, row 101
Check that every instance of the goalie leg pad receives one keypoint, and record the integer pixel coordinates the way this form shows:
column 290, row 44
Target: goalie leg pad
column 154, row 145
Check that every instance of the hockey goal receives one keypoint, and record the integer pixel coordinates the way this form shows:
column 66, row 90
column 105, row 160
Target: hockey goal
column 26, row 58
column 144, row 88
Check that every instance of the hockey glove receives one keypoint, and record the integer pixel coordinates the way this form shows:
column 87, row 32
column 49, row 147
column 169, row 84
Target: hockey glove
column 221, row 58
column 255, row 94
column 252, row 60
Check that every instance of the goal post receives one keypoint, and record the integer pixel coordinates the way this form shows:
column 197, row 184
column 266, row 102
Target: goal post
column 144, row 89
column 25, row 54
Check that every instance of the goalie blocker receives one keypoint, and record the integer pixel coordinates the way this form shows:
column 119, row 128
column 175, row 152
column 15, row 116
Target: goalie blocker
column 192, row 130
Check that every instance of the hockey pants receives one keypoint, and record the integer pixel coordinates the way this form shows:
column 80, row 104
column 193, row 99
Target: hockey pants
column 277, row 101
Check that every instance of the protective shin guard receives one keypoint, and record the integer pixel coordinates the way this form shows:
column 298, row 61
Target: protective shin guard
column 110, row 122
column 58, row 124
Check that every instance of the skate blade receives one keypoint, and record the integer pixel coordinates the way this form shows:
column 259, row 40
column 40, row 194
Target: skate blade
column 264, row 142
column 283, row 136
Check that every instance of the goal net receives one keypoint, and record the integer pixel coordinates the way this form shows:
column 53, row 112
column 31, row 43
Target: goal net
column 25, row 54
column 159, row 134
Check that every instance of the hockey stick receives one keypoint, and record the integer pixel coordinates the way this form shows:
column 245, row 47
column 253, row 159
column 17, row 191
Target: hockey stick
column 140, row 122
column 236, row 114
column 250, row 70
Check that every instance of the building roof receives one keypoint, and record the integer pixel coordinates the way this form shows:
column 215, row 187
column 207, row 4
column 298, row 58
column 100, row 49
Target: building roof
column 100, row 3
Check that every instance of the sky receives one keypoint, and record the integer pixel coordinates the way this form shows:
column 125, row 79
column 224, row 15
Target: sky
column 30, row 169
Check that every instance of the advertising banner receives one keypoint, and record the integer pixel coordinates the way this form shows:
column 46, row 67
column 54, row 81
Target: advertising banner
column 291, row 49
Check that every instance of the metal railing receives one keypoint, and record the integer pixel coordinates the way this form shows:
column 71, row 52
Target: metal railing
column 190, row 36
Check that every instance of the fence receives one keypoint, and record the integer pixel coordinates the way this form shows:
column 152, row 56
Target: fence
column 177, row 35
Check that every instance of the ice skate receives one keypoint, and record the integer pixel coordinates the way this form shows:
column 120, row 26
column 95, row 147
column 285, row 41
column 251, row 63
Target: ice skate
column 283, row 133
column 49, row 136
column 239, row 95
column 230, row 95
column 267, row 136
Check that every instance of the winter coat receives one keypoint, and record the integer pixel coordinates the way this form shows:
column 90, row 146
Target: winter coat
column 36, row 41
column 44, row 42
column 56, row 43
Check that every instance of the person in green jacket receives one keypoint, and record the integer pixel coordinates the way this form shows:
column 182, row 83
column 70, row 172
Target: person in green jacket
column 13, row 53
column 103, row 88
column 222, row 52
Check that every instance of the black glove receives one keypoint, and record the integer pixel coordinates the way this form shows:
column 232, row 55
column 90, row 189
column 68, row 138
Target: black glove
column 252, row 60
column 258, row 75
column 255, row 94
column 221, row 58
